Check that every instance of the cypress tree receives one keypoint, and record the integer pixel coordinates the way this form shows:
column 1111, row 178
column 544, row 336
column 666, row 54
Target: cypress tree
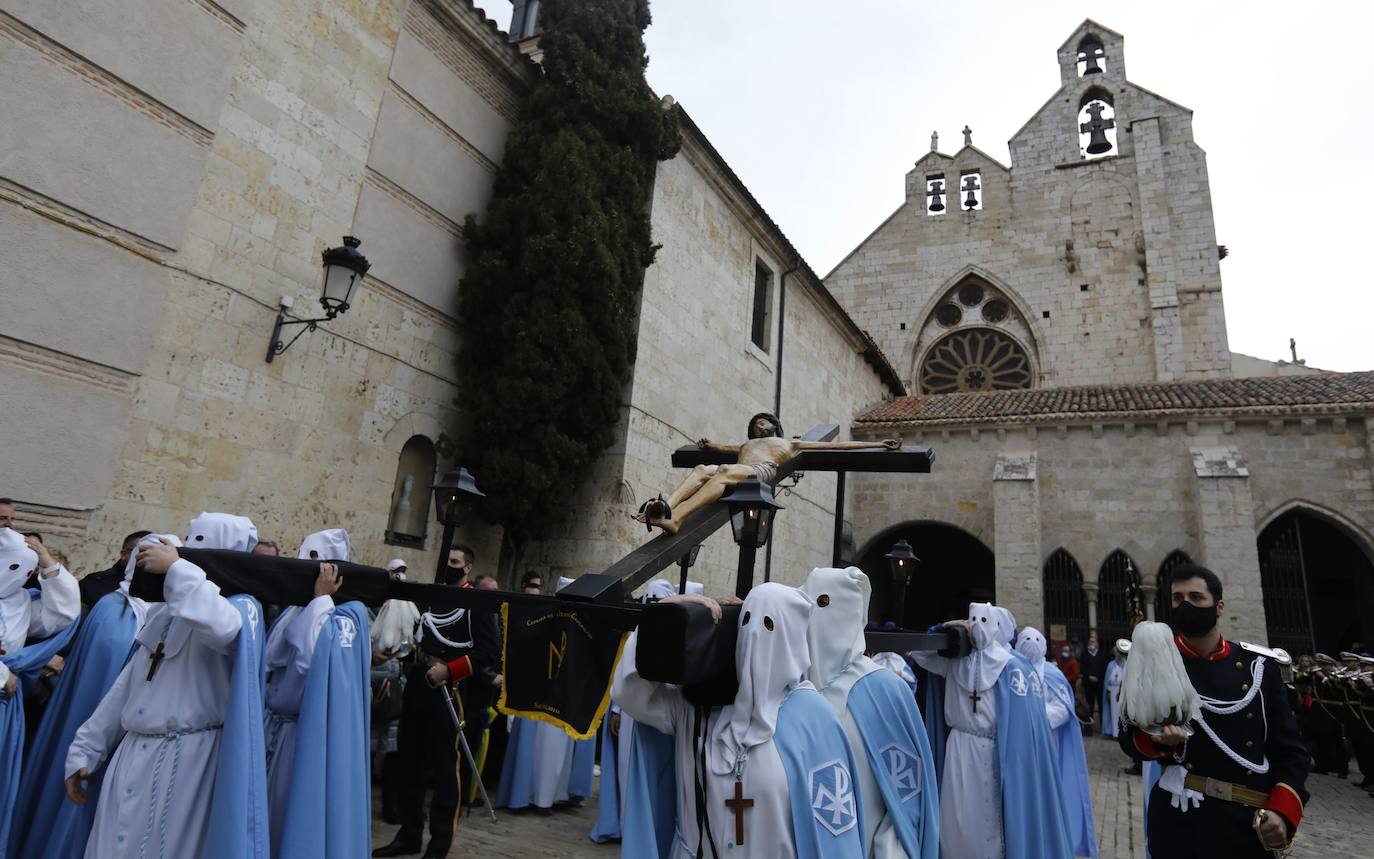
column 550, row 296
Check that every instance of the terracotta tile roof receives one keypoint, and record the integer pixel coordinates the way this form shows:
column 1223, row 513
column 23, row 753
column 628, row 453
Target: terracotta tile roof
column 1329, row 393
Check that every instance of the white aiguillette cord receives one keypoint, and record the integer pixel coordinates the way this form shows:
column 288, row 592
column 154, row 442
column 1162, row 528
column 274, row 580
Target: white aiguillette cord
column 430, row 621
column 1227, row 708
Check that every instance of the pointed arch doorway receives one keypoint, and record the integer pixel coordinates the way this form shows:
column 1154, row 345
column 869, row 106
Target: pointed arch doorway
column 1318, row 584
column 955, row 569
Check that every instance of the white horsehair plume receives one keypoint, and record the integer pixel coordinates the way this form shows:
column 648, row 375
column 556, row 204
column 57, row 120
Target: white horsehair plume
column 394, row 629
column 1156, row 689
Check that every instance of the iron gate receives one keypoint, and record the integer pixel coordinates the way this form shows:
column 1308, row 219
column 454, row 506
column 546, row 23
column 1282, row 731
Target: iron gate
column 1065, row 602
column 1283, row 578
column 1113, row 599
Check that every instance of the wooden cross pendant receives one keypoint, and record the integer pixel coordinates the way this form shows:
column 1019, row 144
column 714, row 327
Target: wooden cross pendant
column 974, row 697
column 739, row 805
column 156, row 661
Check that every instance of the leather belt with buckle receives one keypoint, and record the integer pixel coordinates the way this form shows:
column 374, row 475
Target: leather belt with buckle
column 1225, row 790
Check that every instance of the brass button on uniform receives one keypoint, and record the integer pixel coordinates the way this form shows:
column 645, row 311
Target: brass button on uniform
column 1249, row 744
column 1249, row 715
column 1240, row 664
column 1245, row 687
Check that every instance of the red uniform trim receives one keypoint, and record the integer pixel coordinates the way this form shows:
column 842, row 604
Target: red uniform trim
column 1284, row 800
column 460, row 669
column 1223, row 650
column 1146, row 746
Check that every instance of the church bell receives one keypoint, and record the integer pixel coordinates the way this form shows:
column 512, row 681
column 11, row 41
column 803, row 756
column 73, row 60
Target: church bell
column 937, row 190
column 1090, row 66
column 970, row 201
column 1097, row 141
column 936, row 205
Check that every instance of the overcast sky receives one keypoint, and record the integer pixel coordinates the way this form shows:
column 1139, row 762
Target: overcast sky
column 822, row 106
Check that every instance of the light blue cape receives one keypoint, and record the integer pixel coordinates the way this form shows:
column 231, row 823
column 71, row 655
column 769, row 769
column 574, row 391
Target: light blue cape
column 329, row 802
column 54, row 827
column 1073, row 767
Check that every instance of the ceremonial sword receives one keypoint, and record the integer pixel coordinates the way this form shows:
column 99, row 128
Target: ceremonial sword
column 467, row 752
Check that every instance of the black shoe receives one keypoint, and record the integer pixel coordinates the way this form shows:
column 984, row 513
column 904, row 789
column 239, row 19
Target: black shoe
column 401, row 845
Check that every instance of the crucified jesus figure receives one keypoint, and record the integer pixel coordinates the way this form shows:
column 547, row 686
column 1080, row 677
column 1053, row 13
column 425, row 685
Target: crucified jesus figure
column 759, row 457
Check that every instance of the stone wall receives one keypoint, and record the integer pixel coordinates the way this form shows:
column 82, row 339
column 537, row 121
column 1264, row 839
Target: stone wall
column 1111, row 261
column 245, row 137
column 698, row 374
column 1205, row 486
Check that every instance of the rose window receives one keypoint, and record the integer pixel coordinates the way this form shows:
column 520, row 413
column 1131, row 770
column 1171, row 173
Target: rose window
column 975, row 359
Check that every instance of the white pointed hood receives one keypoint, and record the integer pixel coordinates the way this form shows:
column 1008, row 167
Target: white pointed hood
column 1031, row 644
column 658, row 589
column 328, row 545
column 980, row 669
column 17, row 561
column 221, row 531
column 770, row 658
column 835, row 637
column 139, row 606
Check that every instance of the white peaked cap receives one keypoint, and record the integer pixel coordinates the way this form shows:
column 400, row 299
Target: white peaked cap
column 835, row 636
column 222, row 531
column 1031, row 644
column 770, row 658
column 328, row 545
column 17, row 560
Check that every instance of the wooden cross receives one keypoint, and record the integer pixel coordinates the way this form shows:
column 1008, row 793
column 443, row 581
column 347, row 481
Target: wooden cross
column 738, row 806
column 975, row 698
column 156, row 661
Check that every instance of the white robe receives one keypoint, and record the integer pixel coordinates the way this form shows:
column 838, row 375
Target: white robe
column 58, row 606
column 290, row 650
column 155, row 798
column 1115, row 674
column 971, row 787
column 767, row 825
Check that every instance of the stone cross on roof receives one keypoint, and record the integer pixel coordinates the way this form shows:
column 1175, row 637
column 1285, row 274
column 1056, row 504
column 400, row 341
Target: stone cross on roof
column 968, row 136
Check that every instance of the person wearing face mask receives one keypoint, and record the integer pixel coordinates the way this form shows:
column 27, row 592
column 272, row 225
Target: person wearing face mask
column 1001, row 772
column 1234, row 782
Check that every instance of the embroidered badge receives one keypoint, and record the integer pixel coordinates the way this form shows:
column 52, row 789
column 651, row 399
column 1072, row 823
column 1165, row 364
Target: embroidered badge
column 832, row 797
column 1036, row 689
column 904, row 768
column 1017, row 678
column 251, row 609
column 347, row 630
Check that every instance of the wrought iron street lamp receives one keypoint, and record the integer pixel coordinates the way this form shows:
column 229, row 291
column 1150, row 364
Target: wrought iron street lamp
column 343, row 267
column 752, row 507
column 902, row 562
column 448, row 493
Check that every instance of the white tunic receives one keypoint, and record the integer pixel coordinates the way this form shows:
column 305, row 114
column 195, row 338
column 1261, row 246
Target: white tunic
column 970, row 788
column 58, row 606
column 155, row 798
column 767, row 825
column 290, row 650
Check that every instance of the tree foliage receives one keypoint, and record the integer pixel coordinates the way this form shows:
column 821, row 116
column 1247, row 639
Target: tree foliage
column 550, row 297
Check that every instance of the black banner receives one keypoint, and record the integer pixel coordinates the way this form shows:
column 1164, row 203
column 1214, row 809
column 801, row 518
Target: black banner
column 559, row 664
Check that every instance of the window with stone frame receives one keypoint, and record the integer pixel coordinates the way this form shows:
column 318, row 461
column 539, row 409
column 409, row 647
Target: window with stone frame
column 761, row 329
column 974, row 340
column 408, row 522
column 971, row 190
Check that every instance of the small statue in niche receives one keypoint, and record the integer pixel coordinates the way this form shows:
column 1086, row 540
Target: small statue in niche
column 759, row 457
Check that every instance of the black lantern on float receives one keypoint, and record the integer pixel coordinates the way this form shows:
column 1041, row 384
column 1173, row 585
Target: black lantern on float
column 343, row 268
column 448, row 495
column 752, row 507
column 688, row 559
column 902, row 561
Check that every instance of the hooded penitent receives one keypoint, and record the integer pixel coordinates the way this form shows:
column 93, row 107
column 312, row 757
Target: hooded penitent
column 771, row 657
column 57, row 827
column 893, row 762
column 328, row 545
column 17, row 562
column 222, row 531
column 987, row 628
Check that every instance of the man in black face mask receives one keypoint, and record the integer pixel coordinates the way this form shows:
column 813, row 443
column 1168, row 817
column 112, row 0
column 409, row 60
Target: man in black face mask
column 1236, row 786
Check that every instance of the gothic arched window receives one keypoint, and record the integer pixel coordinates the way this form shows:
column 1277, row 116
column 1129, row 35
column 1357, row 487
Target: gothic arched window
column 409, row 519
column 1091, row 56
column 976, row 342
column 1113, row 597
column 1096, row 124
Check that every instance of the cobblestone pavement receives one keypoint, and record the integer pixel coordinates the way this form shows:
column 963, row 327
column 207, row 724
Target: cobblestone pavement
column 1339, row 821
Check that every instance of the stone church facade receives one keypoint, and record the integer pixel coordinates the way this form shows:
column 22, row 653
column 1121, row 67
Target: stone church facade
column 1060, row 325
column 170, row 171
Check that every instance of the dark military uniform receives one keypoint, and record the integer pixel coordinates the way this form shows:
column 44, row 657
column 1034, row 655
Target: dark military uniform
column 1261, row 728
